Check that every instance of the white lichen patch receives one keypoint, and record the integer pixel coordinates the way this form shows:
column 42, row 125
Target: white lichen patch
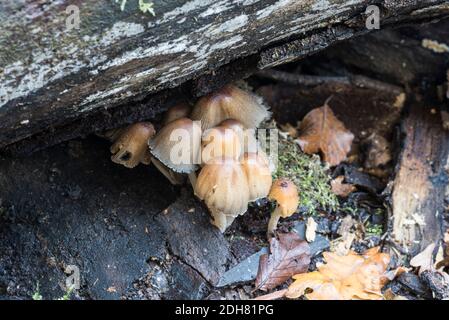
column 230, row 25
column 321, row 5
column 435, row 46
column 121, row 30
column 274, row 8
column 217, row 7
column 100, row 95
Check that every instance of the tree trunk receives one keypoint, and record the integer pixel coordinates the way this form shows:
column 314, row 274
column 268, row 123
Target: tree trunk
column 118, row 65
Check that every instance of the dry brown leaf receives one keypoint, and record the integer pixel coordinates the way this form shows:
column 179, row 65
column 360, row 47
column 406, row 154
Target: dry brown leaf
column 289, row 255
column 342, row 189
column 321, row 131
column 272, row 296
column 349, row 277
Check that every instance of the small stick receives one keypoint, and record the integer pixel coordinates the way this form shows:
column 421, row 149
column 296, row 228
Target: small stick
column 310, row 81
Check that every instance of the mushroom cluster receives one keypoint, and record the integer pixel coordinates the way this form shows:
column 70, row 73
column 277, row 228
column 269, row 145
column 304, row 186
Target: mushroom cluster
column 234, row 171
column 214, row 144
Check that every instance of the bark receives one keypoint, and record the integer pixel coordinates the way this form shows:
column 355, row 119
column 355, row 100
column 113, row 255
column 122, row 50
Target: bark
column 418, row 198
column 53, row 78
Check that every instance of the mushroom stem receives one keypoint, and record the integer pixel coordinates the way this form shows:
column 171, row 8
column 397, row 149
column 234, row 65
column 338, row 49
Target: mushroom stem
column 192, row 179
column 170, row 175
column 219, row 220
column 274, row 219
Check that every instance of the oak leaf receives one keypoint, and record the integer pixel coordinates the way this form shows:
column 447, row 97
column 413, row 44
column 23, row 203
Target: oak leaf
column 341, row 189
column 289, row 255
column 349, row 277
column 321, row 131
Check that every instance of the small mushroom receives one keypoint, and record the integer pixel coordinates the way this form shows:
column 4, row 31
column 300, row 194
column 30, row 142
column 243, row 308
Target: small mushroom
column 258, row 174
column 285, row 193
column 247, row 137
column 176, row 112
column 230, row 102
column 177, row 146
column 220, row 143
column 223, row 186
column 130, row 147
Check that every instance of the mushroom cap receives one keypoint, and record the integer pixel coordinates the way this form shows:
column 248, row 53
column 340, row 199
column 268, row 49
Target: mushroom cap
column 285, row 193
column 181, row 110
column 258, row 174
column 233, row 124
column 220, row 143
column 223, row 187
column 130, row 147
column 230, row 102
column 247, row 136
column 177, row 145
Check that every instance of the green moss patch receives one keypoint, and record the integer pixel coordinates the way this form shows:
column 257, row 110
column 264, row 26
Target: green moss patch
column 309, row 174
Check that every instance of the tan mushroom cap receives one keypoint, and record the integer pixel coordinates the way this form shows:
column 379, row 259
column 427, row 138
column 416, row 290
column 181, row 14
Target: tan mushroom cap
column 258, row 174
column 220, row 143
column 177, row 145
column 247, row 137
column 130, row 147
column 233, row 124
column 224, row 188
column 230, row 102
column 181, row 110
column 285, row 193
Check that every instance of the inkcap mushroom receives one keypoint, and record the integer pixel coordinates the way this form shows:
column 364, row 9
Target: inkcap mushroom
column 130, row 147
column 285, row 193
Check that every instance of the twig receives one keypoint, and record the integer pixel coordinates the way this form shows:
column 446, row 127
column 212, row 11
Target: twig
column 308, row 80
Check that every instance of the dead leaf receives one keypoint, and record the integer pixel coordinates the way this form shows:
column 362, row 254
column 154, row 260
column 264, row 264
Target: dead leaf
column 424, row 260
column 342, row 245
column 311, row 226
column 289, row 255
column 272, row 296
column 342, row 189
column 393, row 274
column 349, row 277
column 321, row 131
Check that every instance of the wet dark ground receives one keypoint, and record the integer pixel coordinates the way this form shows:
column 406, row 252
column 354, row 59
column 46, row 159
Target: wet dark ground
column 130, row 233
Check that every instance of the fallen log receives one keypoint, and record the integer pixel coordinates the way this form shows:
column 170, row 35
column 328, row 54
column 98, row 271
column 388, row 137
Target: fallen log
column 419, row 188
column 64, row 82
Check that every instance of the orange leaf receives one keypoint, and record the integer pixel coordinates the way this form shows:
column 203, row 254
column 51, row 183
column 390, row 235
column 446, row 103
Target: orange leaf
column 347, row 277
column 341, row 189
column 321, row 131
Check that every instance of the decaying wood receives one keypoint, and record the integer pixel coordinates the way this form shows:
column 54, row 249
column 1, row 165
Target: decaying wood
column 51, row 76
column 420, row 184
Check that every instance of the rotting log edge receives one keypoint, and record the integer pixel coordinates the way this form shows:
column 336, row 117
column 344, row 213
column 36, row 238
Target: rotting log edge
column 74, row 103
